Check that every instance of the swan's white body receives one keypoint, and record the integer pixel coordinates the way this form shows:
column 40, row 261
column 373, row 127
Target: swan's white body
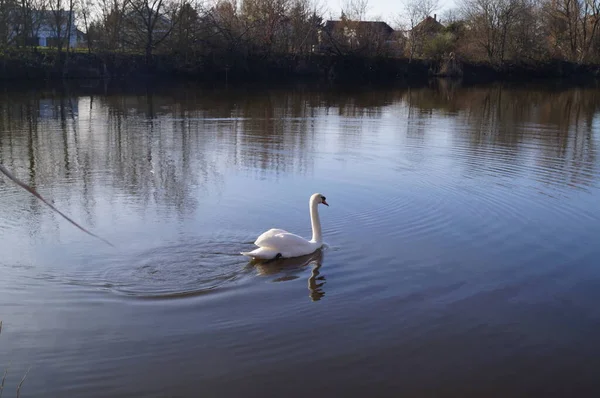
column 276, row 243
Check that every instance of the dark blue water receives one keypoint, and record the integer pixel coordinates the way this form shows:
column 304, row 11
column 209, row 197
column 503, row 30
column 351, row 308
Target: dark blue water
column 461, row 254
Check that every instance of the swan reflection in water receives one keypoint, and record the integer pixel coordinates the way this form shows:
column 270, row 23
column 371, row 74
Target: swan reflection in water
column 290, row 268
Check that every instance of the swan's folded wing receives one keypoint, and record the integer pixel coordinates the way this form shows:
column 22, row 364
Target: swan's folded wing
column 284, row 242
column 268, row 234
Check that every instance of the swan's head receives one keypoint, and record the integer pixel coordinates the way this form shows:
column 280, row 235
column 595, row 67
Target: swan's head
column 318, row 198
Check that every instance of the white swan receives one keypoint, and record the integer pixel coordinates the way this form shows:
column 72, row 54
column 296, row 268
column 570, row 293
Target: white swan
column 277, row 243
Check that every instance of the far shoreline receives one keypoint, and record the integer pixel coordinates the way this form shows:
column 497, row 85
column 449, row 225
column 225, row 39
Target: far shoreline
column 21, row 66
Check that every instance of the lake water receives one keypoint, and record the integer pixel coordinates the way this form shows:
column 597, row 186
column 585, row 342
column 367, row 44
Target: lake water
column 461, row 257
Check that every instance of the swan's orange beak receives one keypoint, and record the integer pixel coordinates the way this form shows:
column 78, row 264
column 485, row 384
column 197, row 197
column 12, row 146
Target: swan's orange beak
column 325, row 203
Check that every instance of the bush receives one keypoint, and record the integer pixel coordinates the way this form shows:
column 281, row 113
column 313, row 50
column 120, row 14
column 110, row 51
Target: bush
column 439, row 46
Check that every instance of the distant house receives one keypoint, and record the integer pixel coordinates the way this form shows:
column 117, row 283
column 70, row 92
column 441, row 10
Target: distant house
column 346, row 25
column 48, row 36
column 354, row 35
column 428, row 27
column 422, row 33
column 45, row 27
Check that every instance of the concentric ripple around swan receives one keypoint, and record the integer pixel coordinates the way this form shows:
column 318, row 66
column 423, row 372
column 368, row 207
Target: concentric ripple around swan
column 180, row 269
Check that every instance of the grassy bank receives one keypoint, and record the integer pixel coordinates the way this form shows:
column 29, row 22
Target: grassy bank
column 31, row 65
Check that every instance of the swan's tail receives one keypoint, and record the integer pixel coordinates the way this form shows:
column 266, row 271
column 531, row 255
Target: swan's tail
column 261, row 253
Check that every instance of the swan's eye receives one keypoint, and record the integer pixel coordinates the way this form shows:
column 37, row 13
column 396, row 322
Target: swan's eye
column 323, row 198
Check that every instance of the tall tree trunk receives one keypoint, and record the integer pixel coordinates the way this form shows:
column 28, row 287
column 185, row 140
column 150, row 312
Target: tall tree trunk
column 149, row 47
column 69, row 23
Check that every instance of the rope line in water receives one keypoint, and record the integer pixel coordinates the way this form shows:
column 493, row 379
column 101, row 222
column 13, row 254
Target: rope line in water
column 33, row 192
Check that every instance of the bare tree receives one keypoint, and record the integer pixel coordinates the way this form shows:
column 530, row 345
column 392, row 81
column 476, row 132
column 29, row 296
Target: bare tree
column 61, row 20
column 186, row 34
column 573, row 26
column 355, row 10
column 8, row 14
column 529, row 33
column 70, row 21
column 267, row 23
column 84, row 10
column 305, row 20
column 27, row 19
column 299, row 15
column 450, row 16
column 416, row 13
column 224, row 28
column 111, row 23
column 150, row 22
column 491, row 23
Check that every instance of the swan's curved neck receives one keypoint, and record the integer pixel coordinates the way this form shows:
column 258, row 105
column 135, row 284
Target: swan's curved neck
column 315, row 222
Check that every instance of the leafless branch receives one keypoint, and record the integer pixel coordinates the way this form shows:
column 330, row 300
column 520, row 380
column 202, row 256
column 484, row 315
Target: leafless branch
column 36, row 194
column 3, row 381
column 21, row 383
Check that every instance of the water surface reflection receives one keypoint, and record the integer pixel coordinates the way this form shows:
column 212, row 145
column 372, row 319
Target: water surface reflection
column 462, row 235
column 293, row 268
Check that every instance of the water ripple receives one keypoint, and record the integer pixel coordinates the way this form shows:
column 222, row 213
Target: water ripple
column 175, row 270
